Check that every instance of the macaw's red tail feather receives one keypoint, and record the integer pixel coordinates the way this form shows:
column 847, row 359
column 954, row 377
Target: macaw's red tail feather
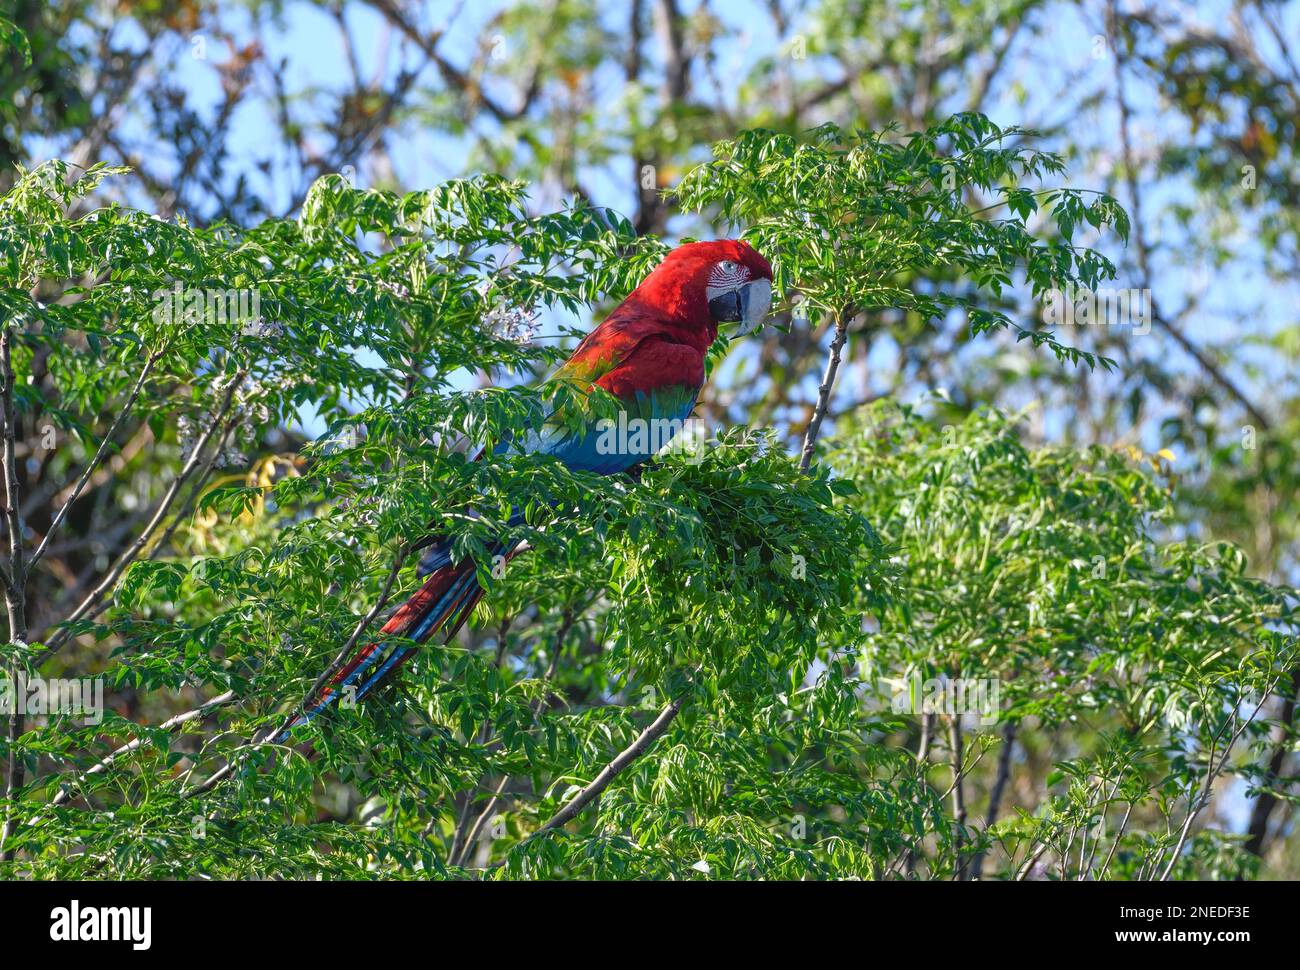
column 440, row 606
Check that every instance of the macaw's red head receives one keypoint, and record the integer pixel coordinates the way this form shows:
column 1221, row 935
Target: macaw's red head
column 702, row 284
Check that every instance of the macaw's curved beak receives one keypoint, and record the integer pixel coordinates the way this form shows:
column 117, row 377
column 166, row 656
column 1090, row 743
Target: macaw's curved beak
column 745, row 305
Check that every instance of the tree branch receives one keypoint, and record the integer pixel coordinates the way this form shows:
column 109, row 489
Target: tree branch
column 1212, row 770
column 225, row 770
column 1266, row 801
column 997, row 791
column 98, row 457
column 452, row 75
column 15, row 587
column 458, row 857
column 171, row 724
column 127, row 557
column 958, row 794
column 1216, row 374
column 612, row 770
column 362, row 625
column 824, row 392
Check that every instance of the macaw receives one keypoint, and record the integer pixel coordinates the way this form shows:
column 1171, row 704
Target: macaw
column 649, row 354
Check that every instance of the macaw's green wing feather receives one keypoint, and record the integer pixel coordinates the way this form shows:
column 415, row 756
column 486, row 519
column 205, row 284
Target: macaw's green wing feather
column 606, row 347
column 650, row 383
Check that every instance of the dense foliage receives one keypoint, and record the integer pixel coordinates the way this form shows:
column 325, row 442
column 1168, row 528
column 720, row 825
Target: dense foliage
column 764, row 613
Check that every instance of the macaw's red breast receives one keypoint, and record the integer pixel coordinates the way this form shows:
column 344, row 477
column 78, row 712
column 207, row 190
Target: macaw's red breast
column 633, row 352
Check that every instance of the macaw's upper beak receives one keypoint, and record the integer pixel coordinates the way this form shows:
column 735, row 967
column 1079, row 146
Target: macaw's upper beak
column 746, row 305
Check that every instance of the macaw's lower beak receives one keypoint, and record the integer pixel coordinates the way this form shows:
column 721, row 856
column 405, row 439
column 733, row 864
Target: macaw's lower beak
column 746, row 305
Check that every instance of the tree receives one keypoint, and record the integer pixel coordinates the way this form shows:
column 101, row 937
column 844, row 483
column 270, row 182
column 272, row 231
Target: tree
column 737, row 664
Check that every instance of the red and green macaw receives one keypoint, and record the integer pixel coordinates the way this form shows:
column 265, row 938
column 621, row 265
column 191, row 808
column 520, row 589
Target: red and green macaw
column 649, row 354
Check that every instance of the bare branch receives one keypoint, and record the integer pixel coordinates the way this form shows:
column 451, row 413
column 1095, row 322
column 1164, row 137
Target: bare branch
column 612, row 770
column 15, row 585
column 142, row 540
column 98, row 457
column 65, row 795
column 824, row 392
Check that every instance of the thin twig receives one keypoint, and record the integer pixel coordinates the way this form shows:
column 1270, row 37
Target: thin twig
column 1085, row 866
column 1029, row 863
column 65, row 795
column 109, row 581
column 824, row 392
column 1212, row 771
column 196, row 489
column 1115, row 841
column 98, row 457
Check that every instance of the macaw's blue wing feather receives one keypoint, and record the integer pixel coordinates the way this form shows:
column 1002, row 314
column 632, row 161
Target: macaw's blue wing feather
column 646, row 423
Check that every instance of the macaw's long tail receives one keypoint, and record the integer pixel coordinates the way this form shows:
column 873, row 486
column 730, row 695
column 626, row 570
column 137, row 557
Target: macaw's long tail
column 440, row 606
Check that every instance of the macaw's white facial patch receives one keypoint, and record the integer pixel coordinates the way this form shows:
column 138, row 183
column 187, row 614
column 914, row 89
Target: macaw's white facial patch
column 757, row 301
column 736, row 297
column 725, row 277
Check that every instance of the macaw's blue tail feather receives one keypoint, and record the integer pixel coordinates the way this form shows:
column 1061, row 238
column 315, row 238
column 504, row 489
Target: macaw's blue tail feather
column 440, row 606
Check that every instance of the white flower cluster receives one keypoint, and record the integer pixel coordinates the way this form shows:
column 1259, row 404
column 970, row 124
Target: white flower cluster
column 514, row 323
column 250, row 411
column 262, row 329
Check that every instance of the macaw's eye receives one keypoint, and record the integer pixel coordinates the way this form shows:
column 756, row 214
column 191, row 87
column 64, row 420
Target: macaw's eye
column 727, row 272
